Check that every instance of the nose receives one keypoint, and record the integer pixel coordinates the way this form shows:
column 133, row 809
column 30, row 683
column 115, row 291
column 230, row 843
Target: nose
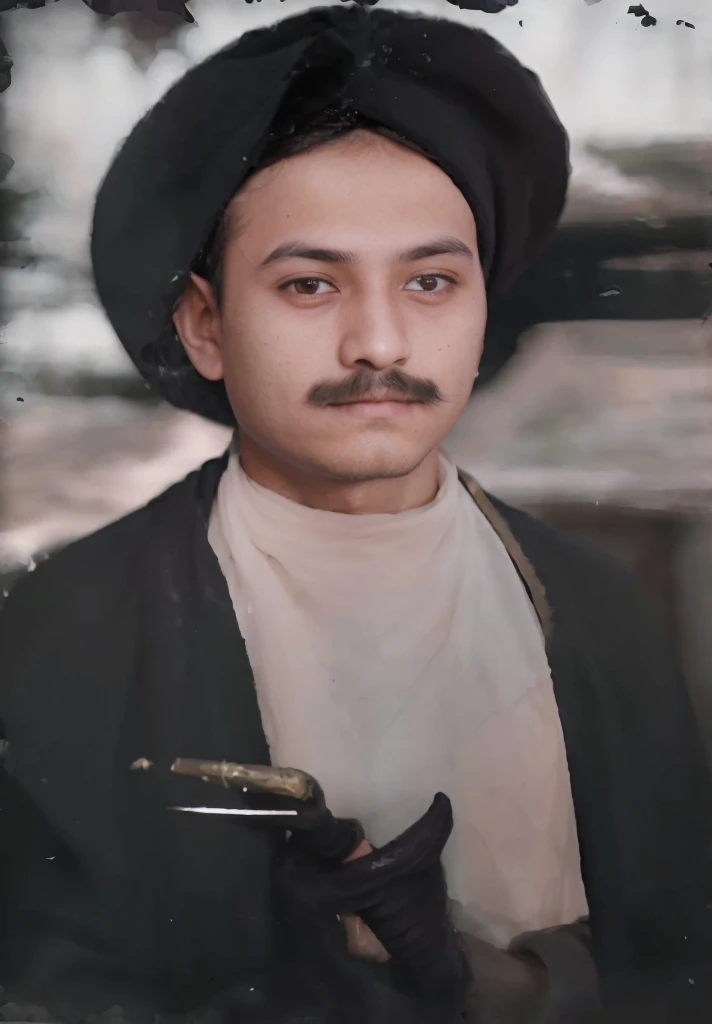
column 373, row 332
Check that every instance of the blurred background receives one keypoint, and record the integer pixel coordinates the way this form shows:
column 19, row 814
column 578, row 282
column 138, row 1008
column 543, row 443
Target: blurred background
column 601, row 423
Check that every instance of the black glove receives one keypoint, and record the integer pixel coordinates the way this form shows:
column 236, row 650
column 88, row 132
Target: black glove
column 399, row 891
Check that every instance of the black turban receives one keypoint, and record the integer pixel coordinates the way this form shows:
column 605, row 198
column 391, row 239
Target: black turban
column 453, row 91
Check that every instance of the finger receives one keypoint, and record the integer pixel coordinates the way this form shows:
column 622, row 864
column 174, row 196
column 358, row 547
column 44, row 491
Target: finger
column 362, row 850
column 361, row 942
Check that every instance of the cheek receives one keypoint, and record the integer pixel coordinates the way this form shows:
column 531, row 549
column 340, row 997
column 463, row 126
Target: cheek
column 471, row 337
column 266, row 365
column 452, row 348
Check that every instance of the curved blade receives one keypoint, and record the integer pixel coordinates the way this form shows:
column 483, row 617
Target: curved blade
column 245, row 811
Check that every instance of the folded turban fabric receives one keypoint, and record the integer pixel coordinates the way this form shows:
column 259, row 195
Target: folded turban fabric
column 452, row 90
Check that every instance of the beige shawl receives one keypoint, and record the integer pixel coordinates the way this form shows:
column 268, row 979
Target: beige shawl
column 396, row 655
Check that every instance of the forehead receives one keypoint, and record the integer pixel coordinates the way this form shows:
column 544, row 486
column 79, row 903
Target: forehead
column 363, row 186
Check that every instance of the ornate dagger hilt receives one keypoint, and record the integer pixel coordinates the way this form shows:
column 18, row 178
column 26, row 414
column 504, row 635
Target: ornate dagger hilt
column 281, row 792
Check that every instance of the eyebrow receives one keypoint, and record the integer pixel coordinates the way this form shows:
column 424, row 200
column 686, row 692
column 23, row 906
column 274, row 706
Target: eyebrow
column 439, row 247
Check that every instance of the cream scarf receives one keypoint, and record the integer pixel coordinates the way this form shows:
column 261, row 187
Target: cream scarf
column 398, row 655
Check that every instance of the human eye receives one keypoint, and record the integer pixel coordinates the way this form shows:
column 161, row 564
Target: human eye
column 309, row 286
column 431, row 284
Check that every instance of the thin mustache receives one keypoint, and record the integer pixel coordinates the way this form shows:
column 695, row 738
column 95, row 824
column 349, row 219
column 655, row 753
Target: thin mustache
column 364, row 386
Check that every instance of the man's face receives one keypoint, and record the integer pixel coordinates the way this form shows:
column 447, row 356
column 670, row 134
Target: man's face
column 350, row 272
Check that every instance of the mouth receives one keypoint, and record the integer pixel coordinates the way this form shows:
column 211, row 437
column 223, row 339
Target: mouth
column 375, row 398
column 375, row 408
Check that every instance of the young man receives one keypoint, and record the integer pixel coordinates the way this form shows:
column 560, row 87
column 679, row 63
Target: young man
column 302, row 239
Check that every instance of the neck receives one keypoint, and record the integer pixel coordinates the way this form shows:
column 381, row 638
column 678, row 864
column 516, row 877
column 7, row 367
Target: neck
column 330, row 494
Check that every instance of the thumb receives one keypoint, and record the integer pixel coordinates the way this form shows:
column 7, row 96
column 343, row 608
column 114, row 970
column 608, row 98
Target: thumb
column 421, row 845
column 416, row 849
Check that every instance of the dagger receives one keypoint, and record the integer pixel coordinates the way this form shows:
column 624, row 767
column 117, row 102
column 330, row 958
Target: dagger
column 332, row 839
column 289, row 793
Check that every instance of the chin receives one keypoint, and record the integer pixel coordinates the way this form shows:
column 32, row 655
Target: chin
column 360, row 467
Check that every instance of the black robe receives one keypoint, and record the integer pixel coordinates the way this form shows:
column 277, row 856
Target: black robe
column 125, row 646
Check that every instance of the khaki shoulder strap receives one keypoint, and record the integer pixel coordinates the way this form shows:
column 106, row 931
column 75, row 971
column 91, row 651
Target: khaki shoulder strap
column 524, row 567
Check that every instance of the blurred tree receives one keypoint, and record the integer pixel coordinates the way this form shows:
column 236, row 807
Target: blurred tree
column 148, row 25
column 675, row 165
column 573, row 282
column 5, row 67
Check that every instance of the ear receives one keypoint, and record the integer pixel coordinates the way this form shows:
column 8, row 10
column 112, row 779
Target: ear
column 197, row 321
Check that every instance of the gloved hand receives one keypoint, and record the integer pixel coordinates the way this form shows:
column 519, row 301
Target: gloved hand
column 399, row 891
